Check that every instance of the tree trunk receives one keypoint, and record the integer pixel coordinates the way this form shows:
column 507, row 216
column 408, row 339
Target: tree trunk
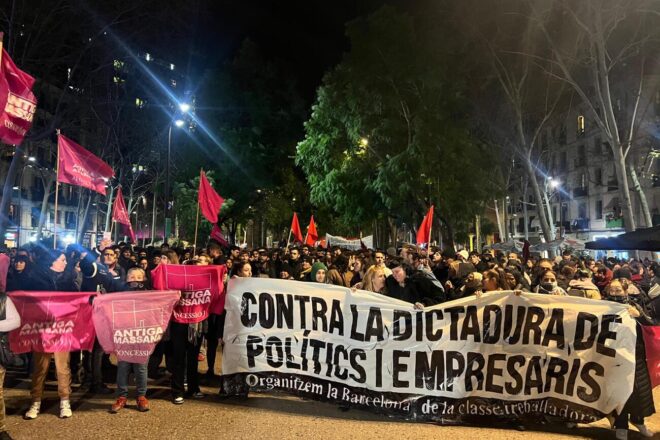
column 8, row 189
column 48, row 184
column 637, row 187
column 393, row 231
column 83, row 221
column 108, row 212
column 624, row 189
column 546, row 226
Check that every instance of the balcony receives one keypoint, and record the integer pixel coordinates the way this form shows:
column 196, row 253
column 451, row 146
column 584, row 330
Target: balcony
column 580, row 192
column 614, row 223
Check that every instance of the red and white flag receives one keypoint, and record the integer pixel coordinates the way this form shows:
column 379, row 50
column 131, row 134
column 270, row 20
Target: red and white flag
column 120, row 214
column 210, row 201
column 77, row 166
column 295, row 229
column 424, row 231
column 17, row 101
column 312, row 235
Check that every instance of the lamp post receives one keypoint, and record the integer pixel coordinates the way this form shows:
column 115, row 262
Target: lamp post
column 183, row 108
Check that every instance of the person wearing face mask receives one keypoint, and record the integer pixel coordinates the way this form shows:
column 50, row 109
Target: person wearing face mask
column 640, row 403
column 548, row 285
column 136, row 280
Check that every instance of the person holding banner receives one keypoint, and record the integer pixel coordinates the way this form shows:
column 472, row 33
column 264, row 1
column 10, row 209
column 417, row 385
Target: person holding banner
column 51, row 275
column 9, row 320
column 135, row 278
column 640, row 403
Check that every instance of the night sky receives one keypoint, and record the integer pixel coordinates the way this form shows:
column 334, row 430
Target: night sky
column 308, row 36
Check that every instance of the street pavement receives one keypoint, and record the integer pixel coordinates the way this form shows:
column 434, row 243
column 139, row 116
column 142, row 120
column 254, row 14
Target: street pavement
column 261, row 416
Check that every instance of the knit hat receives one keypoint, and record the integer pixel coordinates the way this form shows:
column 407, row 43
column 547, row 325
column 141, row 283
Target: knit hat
column 47, row 257
column 463, row 254
column 315, row 268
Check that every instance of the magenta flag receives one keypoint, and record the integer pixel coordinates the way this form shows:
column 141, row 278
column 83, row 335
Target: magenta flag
column 120, row 214
column 17, row 102
column 210, row 202
column 52, row 322
column 202, row 290
column 77, row 166
column 130, row 324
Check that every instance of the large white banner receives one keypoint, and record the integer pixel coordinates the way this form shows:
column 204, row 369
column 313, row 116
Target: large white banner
column 500, row 355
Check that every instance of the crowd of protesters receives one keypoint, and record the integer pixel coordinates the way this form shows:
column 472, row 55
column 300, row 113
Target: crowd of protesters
column 409, row 274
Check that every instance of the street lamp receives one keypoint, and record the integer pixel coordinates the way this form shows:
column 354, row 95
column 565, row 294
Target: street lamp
column 179, row 123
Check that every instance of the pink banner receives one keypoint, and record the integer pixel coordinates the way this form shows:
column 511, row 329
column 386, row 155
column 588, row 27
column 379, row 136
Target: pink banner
column 52, row 322
column 202, row 291
column 130, row 324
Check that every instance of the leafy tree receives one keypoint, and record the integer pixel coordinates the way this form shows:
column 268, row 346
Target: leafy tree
column 388, row 132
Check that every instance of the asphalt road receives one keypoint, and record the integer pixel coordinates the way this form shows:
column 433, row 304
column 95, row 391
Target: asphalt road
column 262, row 416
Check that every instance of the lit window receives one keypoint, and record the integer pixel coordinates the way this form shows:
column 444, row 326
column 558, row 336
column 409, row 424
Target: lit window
column 171, row 66
column 580, row 124
column 139, row 103
column 117, row 80
column 68, row 74
column 118, row 64
column 147, row 56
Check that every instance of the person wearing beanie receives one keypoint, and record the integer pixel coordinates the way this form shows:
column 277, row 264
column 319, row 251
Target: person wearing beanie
column 50, row 275
column 318, row 273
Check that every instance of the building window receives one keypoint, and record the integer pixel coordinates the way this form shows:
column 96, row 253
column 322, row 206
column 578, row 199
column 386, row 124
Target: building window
column 147, row 56
column 139, row 103
column 118, row 64
column 171, row 66
column 598, row 176
column 597, row 144
column 580, row 125
column 599, row 209
column 562, row 135
column 582, row 210
column 581, row 156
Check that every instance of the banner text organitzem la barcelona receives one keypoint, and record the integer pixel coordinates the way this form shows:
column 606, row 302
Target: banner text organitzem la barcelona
column 499, row 355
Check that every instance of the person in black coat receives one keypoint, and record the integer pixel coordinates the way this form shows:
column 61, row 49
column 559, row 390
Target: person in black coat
column 19, row 273
column 414, row 286
column 640, row 403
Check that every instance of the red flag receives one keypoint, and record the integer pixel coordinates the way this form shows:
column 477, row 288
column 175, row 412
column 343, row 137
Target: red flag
column 120, row 214
column 424, row 231
column 652, row 346
column 210, row 201
column 312, row 235
column 295, row 229
column 17, row 101
column 78, row 166
column 217, row 235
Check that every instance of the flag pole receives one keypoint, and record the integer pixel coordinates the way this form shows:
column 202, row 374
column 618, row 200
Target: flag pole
column 196, row 228
column 57, row 189
column 201, row 170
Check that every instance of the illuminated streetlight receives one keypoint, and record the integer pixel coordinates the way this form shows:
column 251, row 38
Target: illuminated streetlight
column 554, row 183
column 184, row 107
column 179, row 123
column 32, row 159
column 364, row 142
